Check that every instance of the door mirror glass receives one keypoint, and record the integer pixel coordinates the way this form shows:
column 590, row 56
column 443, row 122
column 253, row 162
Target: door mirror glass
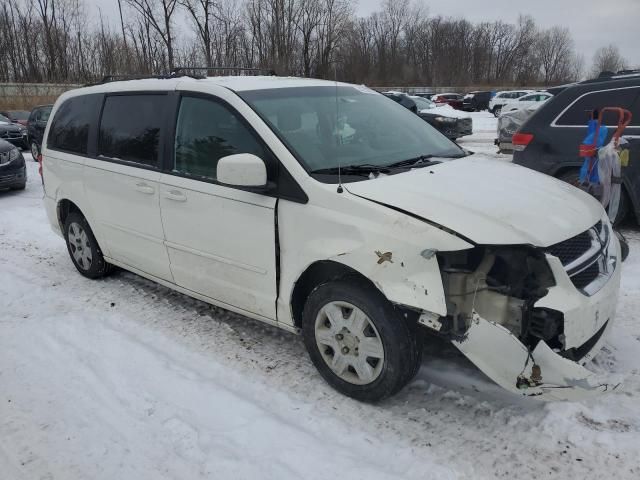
column 242, row 170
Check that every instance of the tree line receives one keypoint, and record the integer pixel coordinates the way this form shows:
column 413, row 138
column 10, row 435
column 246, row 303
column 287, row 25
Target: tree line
column 399, row 44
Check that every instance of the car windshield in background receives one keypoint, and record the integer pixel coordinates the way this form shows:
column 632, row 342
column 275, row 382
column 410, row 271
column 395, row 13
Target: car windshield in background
column 348, row 126
column 4, row 119
column 19, row 114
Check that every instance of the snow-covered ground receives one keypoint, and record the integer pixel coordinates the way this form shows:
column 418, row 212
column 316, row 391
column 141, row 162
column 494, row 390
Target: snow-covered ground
column 123, row 379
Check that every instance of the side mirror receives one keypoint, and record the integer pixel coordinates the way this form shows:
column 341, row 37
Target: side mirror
column 242, row 170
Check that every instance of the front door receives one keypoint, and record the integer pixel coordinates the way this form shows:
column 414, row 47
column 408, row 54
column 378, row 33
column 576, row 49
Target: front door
column 220, row 239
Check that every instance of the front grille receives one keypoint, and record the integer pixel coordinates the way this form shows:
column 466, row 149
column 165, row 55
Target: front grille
column 571, row 249
column 586, row 276
column 585, row 258
column 11, row 135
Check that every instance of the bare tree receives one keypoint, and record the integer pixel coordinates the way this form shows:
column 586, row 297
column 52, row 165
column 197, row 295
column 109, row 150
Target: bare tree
column 555, row 50
column 158, row 14
column 607, row 59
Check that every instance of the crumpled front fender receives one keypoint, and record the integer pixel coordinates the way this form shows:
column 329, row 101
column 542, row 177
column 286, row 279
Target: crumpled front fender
column 403, row 276
column 506, row 361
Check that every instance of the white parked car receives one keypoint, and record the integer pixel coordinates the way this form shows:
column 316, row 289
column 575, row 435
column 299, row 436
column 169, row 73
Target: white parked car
column 527, row 101
column 502, row 99
column 332, row 211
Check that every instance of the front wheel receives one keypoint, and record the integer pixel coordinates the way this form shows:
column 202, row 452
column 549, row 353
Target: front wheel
column 35, row 151
column 357, row 340
column 497, row 111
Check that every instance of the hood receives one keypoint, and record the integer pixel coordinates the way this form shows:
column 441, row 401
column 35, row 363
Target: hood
column 10, row 127
column 488, row 201
column 448, row 111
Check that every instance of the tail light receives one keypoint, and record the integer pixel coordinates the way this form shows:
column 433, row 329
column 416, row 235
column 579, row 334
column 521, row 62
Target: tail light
column 521, row 140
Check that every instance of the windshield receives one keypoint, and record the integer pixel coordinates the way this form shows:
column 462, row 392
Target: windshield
column 327, row 127
column 19, row 114
column 4, row 119
column 423, row 103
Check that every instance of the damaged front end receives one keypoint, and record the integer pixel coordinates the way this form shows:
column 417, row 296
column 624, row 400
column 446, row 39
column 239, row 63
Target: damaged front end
column 521, row 317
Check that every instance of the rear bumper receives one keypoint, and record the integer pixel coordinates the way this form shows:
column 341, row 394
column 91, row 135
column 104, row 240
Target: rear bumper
column 587, row 321
column 539, row 163
column 51, row 208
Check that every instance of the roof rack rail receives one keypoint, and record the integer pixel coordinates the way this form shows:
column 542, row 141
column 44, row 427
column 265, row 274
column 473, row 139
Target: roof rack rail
column 179, row 71
column 628, row 72
column 117, row 78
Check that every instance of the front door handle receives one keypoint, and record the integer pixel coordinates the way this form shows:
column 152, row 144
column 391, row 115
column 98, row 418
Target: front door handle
column 175, row 195
column 145, row 188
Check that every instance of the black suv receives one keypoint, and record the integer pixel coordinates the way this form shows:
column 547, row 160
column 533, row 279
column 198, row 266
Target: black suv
column 476, row 101
column 37, row 123
column 549, row 140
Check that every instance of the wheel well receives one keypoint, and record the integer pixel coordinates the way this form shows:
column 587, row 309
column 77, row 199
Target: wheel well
column 561, row 171
column 315, row 275
column 65, row 207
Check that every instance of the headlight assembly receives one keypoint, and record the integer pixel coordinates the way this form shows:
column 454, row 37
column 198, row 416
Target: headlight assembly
column 14, row 154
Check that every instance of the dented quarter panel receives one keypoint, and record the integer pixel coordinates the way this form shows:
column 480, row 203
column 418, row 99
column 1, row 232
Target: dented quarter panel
column 503, row 358
column 583, row 315
column 350, row 230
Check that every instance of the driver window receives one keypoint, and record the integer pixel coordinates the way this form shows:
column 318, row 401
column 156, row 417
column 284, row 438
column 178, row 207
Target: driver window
column 206, row 132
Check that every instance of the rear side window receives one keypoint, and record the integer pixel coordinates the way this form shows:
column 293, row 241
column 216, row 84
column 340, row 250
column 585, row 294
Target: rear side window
column 130, row 128
column 206, row 132
column 70, row 128
column 580, row 112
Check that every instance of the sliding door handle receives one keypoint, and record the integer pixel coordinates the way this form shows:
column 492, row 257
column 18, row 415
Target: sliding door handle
column 175, row 195
column 143, row 187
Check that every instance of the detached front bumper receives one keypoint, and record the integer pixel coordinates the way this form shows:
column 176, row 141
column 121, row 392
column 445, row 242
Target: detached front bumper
column 544, row 373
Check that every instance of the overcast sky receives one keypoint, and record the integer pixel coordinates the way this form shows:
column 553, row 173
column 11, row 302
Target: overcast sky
column 593, row 23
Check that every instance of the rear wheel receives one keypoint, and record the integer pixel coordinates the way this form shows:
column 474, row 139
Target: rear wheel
column 573, row 177
column 497, row 111
column 357, row 340
column 83, row 248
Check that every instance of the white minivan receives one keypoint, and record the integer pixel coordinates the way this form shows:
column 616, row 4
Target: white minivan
column 327, row 209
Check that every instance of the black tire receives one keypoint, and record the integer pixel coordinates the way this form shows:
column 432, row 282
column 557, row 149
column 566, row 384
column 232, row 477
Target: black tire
column 35, row 148
column 496, row 111
column 402, row 353
column 573, row 177
column 97, row 267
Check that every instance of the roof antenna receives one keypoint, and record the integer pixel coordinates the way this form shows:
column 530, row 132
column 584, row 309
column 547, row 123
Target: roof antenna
column 335, row 79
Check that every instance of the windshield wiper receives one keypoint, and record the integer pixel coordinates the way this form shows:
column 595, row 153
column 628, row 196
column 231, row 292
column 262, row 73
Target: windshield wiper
column 364, row 169
column 422, row 160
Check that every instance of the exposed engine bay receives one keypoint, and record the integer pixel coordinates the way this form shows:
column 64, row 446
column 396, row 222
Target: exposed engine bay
column 507, row 312
column 500, row 284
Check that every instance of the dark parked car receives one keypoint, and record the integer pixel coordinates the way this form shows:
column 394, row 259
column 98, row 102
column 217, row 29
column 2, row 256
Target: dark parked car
column 13, row 171
column 549, row 140
column 476, row 101
column 451, row 127
column 37, row 123
column 12, row 132
column 453, row 99
column 17, row 116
